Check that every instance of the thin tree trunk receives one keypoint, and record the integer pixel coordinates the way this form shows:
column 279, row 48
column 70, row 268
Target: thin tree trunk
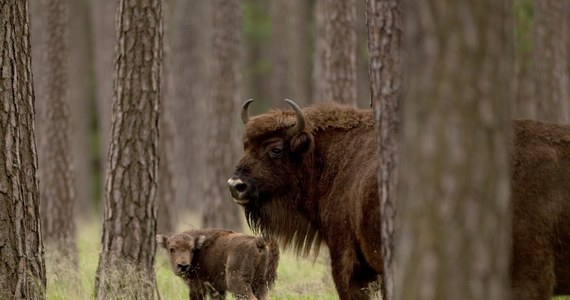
column 224, row 103
column 167, row 208
column 550, row 61
column 454, row 205
column 187, row 86
column 126, row 262
column 104, row 38
column 56, row 185
column 384, row 19
column 339, row 71
column 319, row 83
column 363, row 98
column 289, row 61
column 22, row 267
column 81, row 105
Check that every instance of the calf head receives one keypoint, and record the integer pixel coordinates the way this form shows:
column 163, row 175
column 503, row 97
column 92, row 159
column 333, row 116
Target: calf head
column 276, row 145
column 181, row 248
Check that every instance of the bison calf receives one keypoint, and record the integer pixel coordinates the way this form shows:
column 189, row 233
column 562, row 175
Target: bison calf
column 223, row 260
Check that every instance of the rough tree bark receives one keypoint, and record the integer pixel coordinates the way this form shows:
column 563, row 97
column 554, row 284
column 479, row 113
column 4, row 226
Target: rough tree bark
column 384, row 19
column 126, row 262
column 22, row 268
column 339, row 70
column 289, row 44
column 223, row 111
column 454, row 201
column 54, row 155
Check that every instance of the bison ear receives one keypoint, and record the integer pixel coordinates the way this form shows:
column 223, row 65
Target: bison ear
column 199, row 242
column 302, row 142
column 161, row 240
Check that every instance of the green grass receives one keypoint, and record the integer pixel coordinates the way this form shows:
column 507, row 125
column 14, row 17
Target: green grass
column 298, row 278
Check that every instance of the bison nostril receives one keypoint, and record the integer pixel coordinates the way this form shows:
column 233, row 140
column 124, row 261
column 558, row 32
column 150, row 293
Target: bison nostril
column 241, row 187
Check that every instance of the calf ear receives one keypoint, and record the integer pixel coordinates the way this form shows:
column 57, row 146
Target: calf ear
column 161, row 240
column 199, row 242
column 302, row 142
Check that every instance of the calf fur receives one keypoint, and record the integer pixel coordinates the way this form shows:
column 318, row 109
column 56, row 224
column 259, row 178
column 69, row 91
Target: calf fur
column 214, row 261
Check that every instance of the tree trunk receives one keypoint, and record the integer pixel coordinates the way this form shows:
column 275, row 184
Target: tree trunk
column 22, row 268
column 339, row 70
column 454, row 205
column 167, row 208
column 54, row 155
column 128, row 242
column 104, row 34
column 363, row 98
column 289, row 43
column 223, row 110
column 384, row 43
column 81, row 106
column 550, row 61
column 187, row 85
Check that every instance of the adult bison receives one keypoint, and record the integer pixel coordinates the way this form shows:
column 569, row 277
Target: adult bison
column 309, row 177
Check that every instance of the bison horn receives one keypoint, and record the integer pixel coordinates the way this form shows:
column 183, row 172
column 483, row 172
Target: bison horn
column 300, row 119
column 244, row 114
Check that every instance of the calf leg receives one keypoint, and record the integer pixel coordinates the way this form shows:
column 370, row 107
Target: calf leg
column 239, row 277
column 260, row 288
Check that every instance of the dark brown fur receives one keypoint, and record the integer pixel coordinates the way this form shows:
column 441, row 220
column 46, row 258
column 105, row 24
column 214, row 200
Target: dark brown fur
column 541, row 210
column 322, row 189
column 217, row 260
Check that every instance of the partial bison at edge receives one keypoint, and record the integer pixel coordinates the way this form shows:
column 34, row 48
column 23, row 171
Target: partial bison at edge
column 310, row 176
column 213, row 261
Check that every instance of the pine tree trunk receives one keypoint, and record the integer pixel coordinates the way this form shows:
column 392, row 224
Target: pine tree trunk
column 223, row 111
column 384, row 47
column 187, row 86
column 104, row 38
column 126, row 262
column 339, row 70
column 54, row 155
column 363, row 98
column 22, row 268
column 454, row 207
column 81, row 106
column 550, row 61
column 289, row 61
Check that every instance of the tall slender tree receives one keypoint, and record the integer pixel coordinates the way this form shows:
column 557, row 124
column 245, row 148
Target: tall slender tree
column 103, row 14
column 384, row 19
column 223, row 105
column 289, row 43
column 81, row 105
column 454, row 205
column 187, row 86
column 126, row 262
column 551, row 57
column 55, row 172
column 22, row 268
column 338, row 74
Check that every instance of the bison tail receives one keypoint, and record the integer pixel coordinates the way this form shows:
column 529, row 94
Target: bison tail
column 272, row 262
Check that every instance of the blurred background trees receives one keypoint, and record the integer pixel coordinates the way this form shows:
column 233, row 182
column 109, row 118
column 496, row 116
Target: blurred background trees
column 219, row 53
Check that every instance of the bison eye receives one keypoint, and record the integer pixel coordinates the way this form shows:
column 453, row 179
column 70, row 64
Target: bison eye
column 171, row 250
column 276, row 152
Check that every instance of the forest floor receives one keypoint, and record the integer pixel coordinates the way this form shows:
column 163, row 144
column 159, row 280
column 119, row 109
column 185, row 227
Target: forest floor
column 298, row 278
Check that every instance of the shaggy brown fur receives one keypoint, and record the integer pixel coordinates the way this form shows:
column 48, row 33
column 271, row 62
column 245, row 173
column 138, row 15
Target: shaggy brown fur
column 541, row 210
column 319, row 185
column 216, row 260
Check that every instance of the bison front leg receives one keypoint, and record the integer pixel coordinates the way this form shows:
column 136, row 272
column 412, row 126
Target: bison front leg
column 239, row 278
column 196, row 291
column 345, row 275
